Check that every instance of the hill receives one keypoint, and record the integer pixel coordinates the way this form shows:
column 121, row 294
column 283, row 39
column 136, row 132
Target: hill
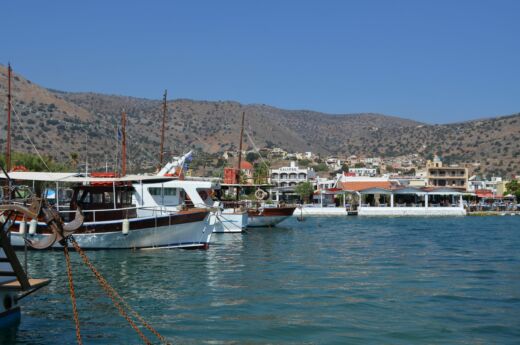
column 60, row 123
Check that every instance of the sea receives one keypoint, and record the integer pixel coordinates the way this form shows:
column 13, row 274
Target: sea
column 343, row 280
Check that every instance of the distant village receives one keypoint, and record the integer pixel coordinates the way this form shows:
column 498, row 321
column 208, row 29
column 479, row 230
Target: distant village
column 286, row 170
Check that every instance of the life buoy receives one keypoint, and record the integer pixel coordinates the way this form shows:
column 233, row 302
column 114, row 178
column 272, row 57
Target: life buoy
column 261, row 194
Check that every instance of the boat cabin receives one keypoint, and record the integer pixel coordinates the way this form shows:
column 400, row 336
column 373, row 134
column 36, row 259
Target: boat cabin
column 103, row 202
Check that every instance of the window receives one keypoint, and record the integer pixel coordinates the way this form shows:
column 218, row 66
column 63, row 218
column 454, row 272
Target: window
column 170, row 191
column 156, row 191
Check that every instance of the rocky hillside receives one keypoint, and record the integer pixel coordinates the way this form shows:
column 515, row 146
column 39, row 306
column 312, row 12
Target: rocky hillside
column 60, row 123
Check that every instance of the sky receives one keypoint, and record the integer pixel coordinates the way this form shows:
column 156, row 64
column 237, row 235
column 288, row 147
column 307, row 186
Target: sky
column 431, row 61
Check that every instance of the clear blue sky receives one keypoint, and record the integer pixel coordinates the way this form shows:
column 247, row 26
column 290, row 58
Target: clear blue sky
column 433, row 61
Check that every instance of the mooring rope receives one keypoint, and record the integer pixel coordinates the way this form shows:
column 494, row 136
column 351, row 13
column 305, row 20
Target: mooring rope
column 118, row 301
column 72, row 294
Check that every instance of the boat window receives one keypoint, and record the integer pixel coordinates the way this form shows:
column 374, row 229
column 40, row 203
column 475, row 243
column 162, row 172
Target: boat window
column 170, row 191
column 97, row 198
column 84, row 197
column 127, row 197
column 156, row 191
column 107, row 197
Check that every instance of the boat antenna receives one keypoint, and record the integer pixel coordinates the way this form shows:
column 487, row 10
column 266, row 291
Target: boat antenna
column 8, row 143
column 123, row 149
column 240, row 154
column 162, row 130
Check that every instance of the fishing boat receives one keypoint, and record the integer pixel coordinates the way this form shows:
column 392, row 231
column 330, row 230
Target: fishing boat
column 116, row 215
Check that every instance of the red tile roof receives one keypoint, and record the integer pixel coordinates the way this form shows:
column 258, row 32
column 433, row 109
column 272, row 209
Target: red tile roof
column 360, row 185
column 246, row 165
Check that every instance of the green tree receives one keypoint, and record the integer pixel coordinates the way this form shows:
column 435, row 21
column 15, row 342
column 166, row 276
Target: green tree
column 305, row 191
column 513, row 187
column 320, row 167
column 261, row 173
column 251, row 157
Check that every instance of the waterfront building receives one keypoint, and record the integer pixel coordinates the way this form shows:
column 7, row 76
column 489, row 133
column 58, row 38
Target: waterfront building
column 291, row 175
column 363, row 171
column 410, row 201
column 439, row 175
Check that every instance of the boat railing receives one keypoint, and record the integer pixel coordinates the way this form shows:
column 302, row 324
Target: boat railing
column 125, row 212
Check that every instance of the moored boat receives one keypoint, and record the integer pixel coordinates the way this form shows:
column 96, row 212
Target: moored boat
column 115, row 216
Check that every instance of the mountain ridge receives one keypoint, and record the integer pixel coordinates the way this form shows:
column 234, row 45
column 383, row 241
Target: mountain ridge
column 87, row 122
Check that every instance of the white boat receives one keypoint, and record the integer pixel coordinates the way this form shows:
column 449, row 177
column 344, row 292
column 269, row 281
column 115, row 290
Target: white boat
column 115, row 218
column 199, row 192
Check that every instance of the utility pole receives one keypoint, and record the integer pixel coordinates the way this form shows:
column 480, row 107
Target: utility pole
column 240, row 154
column 123, row 153
column 162, row 130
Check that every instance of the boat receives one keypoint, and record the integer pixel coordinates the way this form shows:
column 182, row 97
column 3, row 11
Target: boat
column 266, row 216
column 259, row 213
column 116, row 215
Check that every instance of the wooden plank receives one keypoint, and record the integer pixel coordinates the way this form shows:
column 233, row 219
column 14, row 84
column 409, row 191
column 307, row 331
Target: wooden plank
column 15, row 285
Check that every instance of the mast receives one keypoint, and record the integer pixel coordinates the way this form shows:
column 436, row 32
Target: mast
column 240, row 154
column 8, row 143
column 123, row 144
column 162, row 130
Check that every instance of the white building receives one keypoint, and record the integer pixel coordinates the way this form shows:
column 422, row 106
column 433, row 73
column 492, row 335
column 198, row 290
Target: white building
column 291, row 175
column 363, row 171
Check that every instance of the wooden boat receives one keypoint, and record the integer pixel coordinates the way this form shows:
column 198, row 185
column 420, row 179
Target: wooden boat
column 266, row 216
column 115, row 216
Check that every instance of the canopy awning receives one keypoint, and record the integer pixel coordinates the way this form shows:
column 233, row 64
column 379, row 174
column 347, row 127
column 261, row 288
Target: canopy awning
column 80, row 178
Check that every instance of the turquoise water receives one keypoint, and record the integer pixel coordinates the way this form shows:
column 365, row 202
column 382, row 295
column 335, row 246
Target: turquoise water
column 322, row 281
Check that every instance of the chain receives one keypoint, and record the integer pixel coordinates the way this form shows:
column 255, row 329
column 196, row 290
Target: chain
column 72, row 294
column 118, row 301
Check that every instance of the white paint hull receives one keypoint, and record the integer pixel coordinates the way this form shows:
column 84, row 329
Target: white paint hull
column 411, row 211
column 229, row 221
column 185, row 235
column 320, row 211
column 265, row 221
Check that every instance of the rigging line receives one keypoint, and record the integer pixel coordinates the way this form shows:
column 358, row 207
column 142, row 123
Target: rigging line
column 256, row 149
column 29, row 138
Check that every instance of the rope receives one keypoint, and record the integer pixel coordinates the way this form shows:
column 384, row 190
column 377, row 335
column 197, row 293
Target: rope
column 72, row 294
column 118, row 301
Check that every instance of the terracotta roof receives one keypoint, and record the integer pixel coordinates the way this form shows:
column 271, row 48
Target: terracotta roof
column 360, row 185
column 246, row 165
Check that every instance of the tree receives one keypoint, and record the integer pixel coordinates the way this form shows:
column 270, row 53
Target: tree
column 261, row 173
column 305, row 191
column 320, row 167
column 251, row 157
column 513, row 187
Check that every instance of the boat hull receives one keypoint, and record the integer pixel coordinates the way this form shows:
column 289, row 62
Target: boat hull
column 230, row 221
column 269, row 216
column 8, row 317
column 145, row 233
